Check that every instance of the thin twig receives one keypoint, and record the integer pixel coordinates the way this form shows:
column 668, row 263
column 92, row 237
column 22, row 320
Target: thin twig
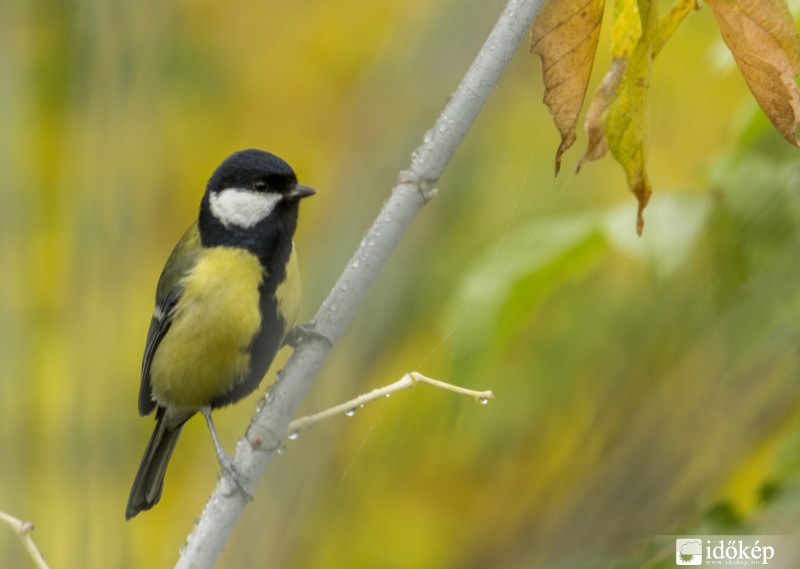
column 23, row 531
column 408, row 381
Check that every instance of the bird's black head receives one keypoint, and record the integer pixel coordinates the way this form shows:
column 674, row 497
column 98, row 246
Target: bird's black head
column 252, row 196
column 252, row 169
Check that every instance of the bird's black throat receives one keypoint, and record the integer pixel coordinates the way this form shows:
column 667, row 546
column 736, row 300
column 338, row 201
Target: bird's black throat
column 270, row 241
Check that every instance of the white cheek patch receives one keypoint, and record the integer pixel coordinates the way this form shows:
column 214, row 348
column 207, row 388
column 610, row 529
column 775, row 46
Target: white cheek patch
column 241, row 207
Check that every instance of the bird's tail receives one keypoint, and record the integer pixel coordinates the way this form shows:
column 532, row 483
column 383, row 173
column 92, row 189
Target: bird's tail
column 149, row 481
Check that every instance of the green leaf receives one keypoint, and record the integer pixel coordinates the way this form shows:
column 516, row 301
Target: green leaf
column 511, row 278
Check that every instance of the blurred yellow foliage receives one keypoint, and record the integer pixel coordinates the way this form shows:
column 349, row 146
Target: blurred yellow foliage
column 113, row 115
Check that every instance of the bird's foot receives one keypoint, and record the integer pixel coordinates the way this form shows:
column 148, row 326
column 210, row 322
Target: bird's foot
column 230, row 472
column 303, row 333
column 225, row 461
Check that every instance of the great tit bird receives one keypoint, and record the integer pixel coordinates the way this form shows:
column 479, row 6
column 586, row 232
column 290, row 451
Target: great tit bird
column 226, row 299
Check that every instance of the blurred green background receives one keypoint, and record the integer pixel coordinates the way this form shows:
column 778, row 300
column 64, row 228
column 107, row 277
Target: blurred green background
column 644, row 386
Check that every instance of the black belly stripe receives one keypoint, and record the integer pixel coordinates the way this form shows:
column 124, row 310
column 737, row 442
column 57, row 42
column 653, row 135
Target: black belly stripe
column 271, row 242
column 263, row 350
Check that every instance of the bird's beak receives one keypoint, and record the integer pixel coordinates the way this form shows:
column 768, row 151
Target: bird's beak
column 299, row 192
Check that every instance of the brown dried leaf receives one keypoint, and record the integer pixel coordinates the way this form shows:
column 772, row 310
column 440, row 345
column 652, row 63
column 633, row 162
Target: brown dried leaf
column 565, row 35
column 597, row 147
column 763, row 39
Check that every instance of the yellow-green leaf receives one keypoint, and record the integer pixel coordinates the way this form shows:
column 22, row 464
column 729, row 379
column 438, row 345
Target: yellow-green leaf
column 625, row 121
column 763, row 39
column 616, row 119
column 669, row 23
column 626, row 29
column 565, row 35
column 625, row 33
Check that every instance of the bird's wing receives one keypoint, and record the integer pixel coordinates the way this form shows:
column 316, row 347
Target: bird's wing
column 159, row 324
column 179, row 264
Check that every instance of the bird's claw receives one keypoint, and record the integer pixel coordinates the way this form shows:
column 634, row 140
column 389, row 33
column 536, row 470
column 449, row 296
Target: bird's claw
column 230, row 471
column 305, row 332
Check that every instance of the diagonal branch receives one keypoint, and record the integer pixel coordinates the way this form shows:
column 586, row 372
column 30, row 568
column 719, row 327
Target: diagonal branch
column 415, row 187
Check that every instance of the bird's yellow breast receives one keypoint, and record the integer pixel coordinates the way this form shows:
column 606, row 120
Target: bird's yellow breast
column 206, row 350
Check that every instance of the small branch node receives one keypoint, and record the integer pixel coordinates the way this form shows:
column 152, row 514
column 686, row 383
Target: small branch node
column 23, row 530
column 304, row 333
column 426, row 186
column 26, row 528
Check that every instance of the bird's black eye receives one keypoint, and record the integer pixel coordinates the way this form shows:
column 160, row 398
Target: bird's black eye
column 260, row 186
